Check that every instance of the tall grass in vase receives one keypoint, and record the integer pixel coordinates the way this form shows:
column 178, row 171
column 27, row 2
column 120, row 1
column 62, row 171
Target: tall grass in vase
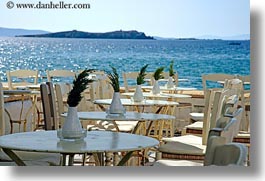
column 157, row 75
column 72, row 128
column 138, row 95
column 116, row 106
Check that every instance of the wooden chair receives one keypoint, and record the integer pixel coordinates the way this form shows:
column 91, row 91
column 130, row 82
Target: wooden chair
column 59, row 75
column 30, row 158
column 196, row 127
column 17, row 78
column 129, row 78
column 206, row 80
column 217, row 153
column 193, row 147
column 49, row 106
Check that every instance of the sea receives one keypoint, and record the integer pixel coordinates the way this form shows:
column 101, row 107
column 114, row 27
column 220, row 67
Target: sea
column 192, row 58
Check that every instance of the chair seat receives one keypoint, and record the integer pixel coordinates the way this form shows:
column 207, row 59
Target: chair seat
column 242, row 137
column 184, row 163
column 197, row 125
column 196, row 116
column 183, row 148
column 185, row 139
column 41, row 158
column 187, row 147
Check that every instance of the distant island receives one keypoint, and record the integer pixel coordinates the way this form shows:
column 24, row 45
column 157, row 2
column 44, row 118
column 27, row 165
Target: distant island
column 11, row 32
column 80, row 34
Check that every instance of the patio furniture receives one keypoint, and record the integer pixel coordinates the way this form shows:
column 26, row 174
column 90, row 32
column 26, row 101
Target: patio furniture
column 58, row 75
column 95, row 142
column 21, row 78
column 217, row 153
column 193, row 147
column 30, row 158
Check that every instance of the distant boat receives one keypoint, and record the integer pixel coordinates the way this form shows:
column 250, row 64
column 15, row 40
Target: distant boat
column 234, row 43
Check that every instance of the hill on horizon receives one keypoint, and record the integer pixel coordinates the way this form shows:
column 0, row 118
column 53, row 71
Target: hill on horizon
column 11, row 32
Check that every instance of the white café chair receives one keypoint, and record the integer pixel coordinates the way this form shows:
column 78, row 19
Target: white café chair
column 193, row 147
column 207, row 78
column 218, row 153
column 21, row 78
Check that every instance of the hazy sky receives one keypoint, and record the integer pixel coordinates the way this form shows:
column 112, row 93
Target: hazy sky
column 166, row 18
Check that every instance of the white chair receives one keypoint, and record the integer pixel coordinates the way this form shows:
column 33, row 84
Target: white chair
column 58, row 75
column 196, row 127
column 207, row 79
column 31, row 158
column 193, row 147
column 129, row 78
column 217, row 153
column 21, row 78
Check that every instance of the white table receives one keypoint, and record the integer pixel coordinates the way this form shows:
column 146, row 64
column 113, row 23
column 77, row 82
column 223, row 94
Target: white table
column 173, row 89
column 94, row 142
column 166, row 80
column 129, row 102
column 128, row 116
column 161, row 95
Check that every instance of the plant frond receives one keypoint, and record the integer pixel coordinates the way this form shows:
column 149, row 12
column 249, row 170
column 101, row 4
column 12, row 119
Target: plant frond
column 79, row 85
column 141, row 75
column 171, row 69
column 114, row 79
column 158, row 73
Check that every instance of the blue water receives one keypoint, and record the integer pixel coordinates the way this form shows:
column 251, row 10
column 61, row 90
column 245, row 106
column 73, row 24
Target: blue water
column 191, row 58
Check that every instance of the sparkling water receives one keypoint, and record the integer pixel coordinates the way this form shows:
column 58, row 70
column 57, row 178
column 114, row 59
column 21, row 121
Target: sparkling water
column 192, row 58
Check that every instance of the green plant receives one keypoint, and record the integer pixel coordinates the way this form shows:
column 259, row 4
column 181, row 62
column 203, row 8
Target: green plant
column 171, row 69
column 158, row 73
column 79, row 85
column 141, row 75
column 114, row 79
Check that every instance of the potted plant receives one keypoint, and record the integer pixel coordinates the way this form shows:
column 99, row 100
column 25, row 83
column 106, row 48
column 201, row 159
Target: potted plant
column 157, row 75
column 72, row 128
column 138, row 95
column 116, row 106
column 170, row 83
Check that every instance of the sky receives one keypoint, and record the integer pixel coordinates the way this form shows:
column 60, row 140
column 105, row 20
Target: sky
column 164, row 18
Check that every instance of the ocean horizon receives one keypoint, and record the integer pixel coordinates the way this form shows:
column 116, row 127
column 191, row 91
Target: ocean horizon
column 192, row 58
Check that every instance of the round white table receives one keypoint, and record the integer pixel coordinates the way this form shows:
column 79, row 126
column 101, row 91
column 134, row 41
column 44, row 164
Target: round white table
column 129, row 102
column 161, row 95
column 94, row 142
column 128, row 116
column 175, row 89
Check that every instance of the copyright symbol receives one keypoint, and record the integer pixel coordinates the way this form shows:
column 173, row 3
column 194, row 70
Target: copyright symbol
column 10, row 4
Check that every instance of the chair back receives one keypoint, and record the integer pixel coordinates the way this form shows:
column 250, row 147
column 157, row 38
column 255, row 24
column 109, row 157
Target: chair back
column 59, row 74
column 218, row 104
column 2, row 111
column 49, row 106
column 220, row 153
column 61, row 92
column 214, row 78
column 129, row 78
column 21, row 78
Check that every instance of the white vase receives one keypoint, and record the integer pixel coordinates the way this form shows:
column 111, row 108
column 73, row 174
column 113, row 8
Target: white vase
column 116, row 106
column 138, row 95
column 156, row 88
column 170, row 83
column 72, row 128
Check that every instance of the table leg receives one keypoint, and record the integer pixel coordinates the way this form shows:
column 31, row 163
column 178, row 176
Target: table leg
column 71, row 159
column 108, row 159
column 125, row 158
column 14, row 157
